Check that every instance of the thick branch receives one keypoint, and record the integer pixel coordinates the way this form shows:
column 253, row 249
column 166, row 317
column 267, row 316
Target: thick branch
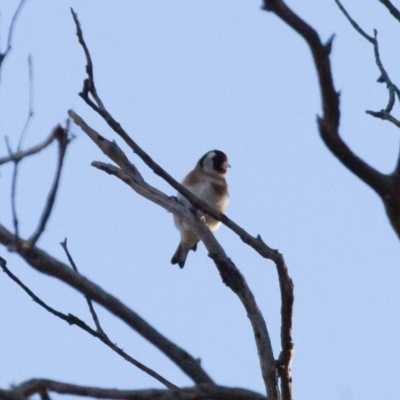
column 265, row 251
column 74, row 320
column 44, row 263
column 88, row 93
column 229, row 273
column 392, row 9
column 201, row 392
column 329, row 122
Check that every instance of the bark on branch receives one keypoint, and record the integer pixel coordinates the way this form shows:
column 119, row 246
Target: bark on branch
column 230, row 274
column 46, row 264
column 282, row 367
column 386, row 186
column 200, row 392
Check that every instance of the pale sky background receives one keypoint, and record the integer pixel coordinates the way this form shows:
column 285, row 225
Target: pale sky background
column 185, row 77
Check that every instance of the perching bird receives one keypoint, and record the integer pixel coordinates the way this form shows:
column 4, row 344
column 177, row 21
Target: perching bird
column 207, row 181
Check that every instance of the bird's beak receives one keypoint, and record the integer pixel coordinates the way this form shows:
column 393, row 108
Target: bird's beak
column 225, row 165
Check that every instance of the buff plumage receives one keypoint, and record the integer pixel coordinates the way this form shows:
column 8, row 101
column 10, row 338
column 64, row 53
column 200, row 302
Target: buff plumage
column 208, row 182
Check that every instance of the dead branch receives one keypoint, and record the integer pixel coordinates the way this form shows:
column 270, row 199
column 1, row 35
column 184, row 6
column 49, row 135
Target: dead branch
column 329, row 122
column 88, row 299
column 16, row 157
column 63, row 142
column 392, row 9
column 201, row 392
column 88, row 93
column 393, row 90
column 104, row 337
column 11, row 33
column 44, row 263
column 231, row 276
column 74, row 320
column 386, row 186
column 30, row 110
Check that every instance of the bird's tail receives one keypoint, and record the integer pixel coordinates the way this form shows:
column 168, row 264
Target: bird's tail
column 180, row 255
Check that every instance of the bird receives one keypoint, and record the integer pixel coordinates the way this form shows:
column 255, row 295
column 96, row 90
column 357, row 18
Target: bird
column 208, row 182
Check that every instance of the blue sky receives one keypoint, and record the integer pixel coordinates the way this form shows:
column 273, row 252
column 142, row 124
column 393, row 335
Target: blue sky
column 184, row 78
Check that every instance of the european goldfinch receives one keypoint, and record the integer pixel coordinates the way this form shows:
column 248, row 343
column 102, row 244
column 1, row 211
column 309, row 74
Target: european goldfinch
column 207, row 181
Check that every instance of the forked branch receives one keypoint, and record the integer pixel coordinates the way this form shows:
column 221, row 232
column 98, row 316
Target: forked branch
column 386, row 186
column 282, row 367
column 230, row 274
column 393, row 90
column 74, row 320
column 48, row 265
column 200, row 392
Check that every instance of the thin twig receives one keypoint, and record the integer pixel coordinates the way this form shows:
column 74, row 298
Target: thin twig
column 15, row 157
column 11, row 33
column 89, row 83
column 13, row 192
column 384, row 115
column 44, row 263
column 22, row 135
column 384, row 76
column 390, row 183
column 88, row 300
column 63, row 141
column 353, row 23
column 73, row 320
column 30, row 111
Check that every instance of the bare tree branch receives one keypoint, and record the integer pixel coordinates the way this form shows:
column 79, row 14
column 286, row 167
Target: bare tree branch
column 57, row 133
column 63, row 141
column 23, row 133
column 329, row 122
column 231, row 276
column 389, row 189
column 384, row 115
column 16, row 157
column 392, row 9
column 10, row 395
column 201, row 392
column 354, row 23
column 88, row 300
column 73, row 320
column 30, row 110
column 44, row 263
column 11, row 33
column 384, row 77
column 386, row 186
column 269, row 373
column 70, row 319
column 104, row 337
column 13, row 193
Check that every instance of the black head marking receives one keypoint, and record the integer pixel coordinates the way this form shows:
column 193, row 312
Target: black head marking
column 218, row 158
column 219, row 161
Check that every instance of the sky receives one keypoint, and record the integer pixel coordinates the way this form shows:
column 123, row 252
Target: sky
column 183, row 78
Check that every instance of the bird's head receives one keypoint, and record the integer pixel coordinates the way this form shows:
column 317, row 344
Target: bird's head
column 215, row 161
